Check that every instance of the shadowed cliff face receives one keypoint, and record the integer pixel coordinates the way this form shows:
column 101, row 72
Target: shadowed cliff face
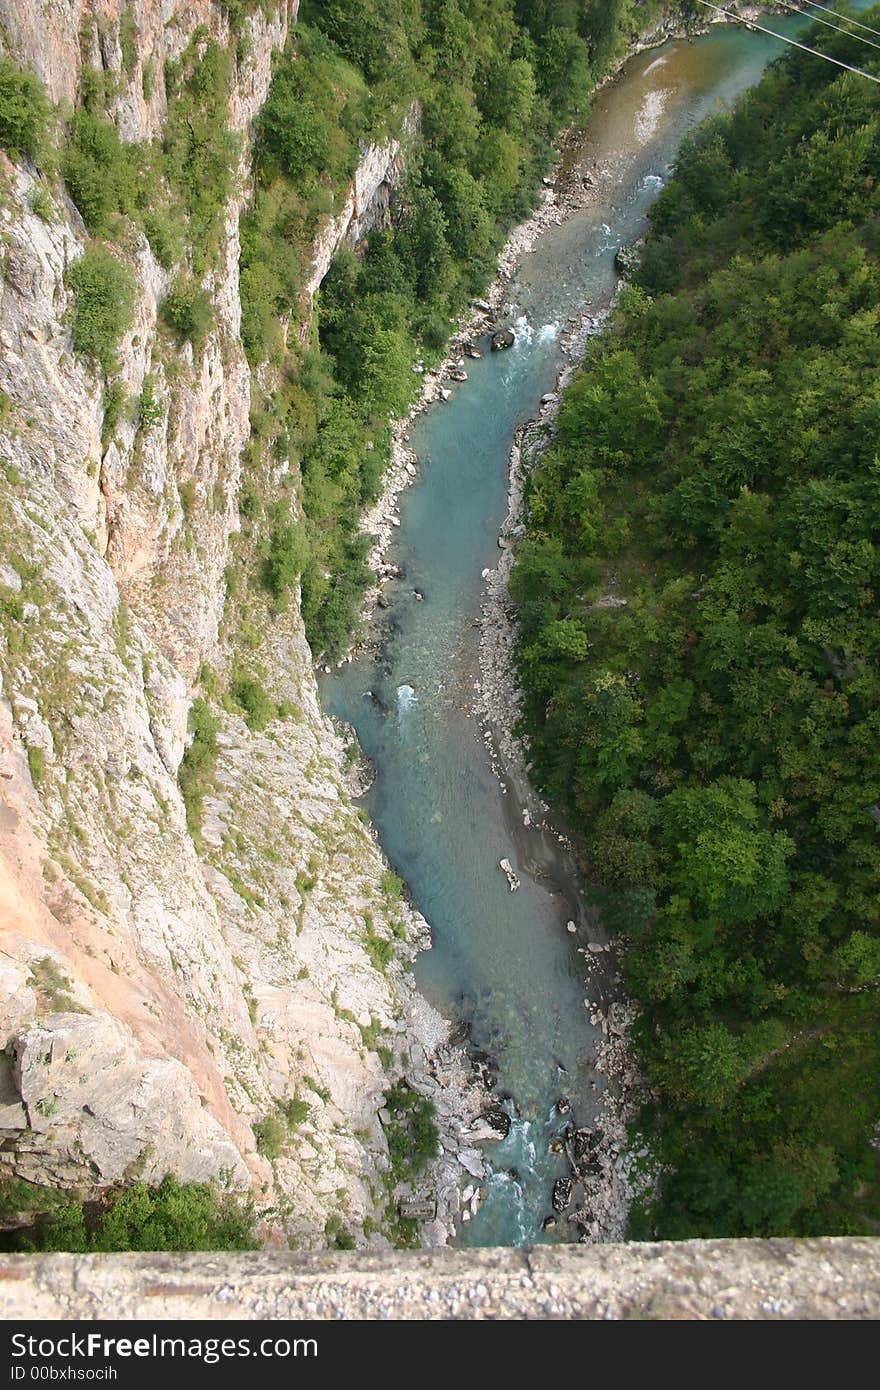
column 158, row 999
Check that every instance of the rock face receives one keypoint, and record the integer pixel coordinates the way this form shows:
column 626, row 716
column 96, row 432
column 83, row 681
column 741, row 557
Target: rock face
column 159, row 999
column 367, row 204
column 504, row 338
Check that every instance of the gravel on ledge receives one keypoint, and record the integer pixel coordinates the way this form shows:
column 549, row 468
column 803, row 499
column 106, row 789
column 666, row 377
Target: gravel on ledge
column 835, row 1278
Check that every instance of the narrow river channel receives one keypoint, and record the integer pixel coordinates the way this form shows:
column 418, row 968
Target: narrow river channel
column 503, row 962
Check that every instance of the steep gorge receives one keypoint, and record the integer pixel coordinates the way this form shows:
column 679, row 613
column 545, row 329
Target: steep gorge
column 232, row 1007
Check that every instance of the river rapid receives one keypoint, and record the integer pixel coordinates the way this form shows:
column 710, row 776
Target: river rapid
column 505, row 963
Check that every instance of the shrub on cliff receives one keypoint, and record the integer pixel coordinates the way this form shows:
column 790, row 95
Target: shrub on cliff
column 197, row 767
column 103, row 307
column 288, row 552
column 99, row 169
column 24, row 111
column 258, row 709
column 188, row 310
column 172, row 1216
column 412, row 1133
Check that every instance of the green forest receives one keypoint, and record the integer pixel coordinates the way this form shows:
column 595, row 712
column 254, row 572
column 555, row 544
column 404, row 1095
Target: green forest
column 492, row 82
column 698, row 596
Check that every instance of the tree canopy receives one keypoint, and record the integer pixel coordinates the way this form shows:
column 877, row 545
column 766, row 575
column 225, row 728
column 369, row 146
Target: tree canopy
column 713, row 733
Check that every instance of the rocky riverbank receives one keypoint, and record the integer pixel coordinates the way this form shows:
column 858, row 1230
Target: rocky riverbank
column 572, row 188
column 604, row 1174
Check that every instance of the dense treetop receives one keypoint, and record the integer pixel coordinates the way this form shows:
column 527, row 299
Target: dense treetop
column 715, row 740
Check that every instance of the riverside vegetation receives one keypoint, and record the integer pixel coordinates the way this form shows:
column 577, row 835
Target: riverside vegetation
column 490, row 84
column 697, row 595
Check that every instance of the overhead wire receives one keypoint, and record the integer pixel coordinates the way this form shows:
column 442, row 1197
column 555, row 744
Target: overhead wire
column 794, row 8
column 793, row 43
column 827, row 9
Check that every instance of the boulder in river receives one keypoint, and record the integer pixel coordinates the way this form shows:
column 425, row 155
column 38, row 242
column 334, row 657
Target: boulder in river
column 563, row 1105
column 508, row 869
column 548, row 1223
column 627, row 260
column 499, row 1119
column 561, row 1194
column 583, row 1142
column 471, row 1162
column 503, row 338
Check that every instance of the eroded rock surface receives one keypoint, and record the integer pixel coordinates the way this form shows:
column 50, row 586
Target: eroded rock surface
column 160, row 999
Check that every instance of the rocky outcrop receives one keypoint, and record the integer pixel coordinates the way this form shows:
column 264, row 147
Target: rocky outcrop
column 366, row 207
column 234, row 1009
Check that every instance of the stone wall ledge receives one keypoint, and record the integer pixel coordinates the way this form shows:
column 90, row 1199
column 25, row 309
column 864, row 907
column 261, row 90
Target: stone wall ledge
column 832, row 1278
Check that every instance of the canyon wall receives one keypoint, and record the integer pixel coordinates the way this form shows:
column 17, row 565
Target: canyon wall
column 161, row 997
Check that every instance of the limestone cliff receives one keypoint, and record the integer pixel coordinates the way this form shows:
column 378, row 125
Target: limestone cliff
column 159, row 999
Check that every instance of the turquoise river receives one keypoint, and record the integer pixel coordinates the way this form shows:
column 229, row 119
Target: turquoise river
column 503, row 962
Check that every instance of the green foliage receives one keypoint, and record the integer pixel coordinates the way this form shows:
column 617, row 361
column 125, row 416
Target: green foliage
column 40, row 202
column 199, row 152
column 296, row 1112
column 714, row 739
column 115, row 397
column 128, row 40
column 164, row 232
column 172, row 1216
column 315, row 112
column 100, row 171
column 379, row 948
column 52, row 987
column 288, row 550
column 24, row 112
column 36, row 765
column 104, row 298
column 187, row 308
column 273, row 1133
column 270, row 1134
column 338, row 1235
column 197, row 766
column 150, row 412
column 411, row 1133
column 249, row 695
column 392, row 883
